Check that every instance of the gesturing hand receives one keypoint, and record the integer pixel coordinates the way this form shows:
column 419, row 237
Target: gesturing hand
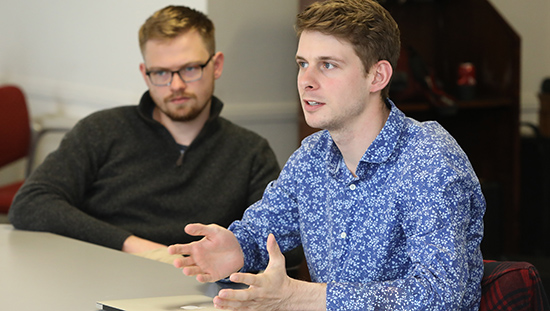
column 214, row 257
column 270, row 290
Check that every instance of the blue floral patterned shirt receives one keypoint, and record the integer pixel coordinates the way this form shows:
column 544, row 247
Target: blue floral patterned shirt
column 402, row 235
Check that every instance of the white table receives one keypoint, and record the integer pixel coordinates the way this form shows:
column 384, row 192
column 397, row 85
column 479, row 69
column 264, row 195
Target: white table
column 43, row 271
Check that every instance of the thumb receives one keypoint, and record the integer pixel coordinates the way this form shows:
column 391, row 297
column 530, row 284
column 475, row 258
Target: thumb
column 275, row 255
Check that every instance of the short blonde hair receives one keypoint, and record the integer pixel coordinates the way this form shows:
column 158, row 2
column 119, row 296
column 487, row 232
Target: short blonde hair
column 173, row 21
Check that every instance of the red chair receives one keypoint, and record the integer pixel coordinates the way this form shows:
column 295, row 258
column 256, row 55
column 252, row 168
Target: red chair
column 15, row 136
column 512, row 286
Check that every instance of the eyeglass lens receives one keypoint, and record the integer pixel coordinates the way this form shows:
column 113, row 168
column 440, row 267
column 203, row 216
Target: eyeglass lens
column 187, row 74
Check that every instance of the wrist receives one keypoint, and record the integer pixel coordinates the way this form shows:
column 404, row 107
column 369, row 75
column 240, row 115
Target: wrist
column 134, row 244
column 302, row 295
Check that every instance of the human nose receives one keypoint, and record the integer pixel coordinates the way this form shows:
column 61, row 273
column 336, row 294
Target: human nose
column 307, row 79
column 177, row 81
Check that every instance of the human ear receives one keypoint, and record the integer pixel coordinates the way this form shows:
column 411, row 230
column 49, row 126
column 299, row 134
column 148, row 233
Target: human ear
column 218, row 64
column 143, row 70
column 382, row 75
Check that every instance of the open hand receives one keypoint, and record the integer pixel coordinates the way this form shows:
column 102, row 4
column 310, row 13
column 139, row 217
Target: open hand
column 267, row 291
column 214, row 257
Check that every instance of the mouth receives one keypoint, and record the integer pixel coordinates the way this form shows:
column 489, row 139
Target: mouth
column 179, row 99
column 311, row 105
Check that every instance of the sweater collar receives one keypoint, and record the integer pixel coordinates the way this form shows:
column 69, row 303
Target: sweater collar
column 146, row 106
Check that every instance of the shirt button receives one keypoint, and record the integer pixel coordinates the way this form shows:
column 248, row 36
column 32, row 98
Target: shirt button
column 352, row 187
column 343, row 235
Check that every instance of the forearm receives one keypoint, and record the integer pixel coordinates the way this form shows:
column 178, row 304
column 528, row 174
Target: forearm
column 37, row 209
column 134, row 245
column 305, row 296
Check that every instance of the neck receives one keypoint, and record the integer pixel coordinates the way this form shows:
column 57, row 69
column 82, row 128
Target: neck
column 356, row 138
column 183, row 132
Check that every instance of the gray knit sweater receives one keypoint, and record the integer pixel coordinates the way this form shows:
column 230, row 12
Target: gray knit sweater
column 116, row 173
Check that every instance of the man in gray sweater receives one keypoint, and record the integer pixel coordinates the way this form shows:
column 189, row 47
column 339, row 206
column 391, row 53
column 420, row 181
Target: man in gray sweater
column 131, row 178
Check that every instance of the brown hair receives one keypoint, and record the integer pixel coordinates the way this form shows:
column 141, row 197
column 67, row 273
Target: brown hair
column 173, row 21
column 369, row 27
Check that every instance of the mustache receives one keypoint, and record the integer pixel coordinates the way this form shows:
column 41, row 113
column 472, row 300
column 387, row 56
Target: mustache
column 178, row 95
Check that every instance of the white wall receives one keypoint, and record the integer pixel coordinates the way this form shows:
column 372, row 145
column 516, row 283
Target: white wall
column 73, row 58
column 258, row 85
column 531, row 20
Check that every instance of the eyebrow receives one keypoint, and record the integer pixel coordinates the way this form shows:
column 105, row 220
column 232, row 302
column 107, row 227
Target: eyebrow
column 189, row 64
column 322, row 58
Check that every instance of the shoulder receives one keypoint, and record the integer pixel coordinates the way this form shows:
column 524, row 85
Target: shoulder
column 104, row 124
column 405, row 130
column 429, row 148
column 108, row 115
column 316, row 142
column 108, row 119
column 111, row 115
column 315, row 150
column 238, row 134
column 428, row 135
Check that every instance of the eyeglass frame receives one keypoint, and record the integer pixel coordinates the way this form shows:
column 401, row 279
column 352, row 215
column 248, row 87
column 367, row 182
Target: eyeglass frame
column 148, row 73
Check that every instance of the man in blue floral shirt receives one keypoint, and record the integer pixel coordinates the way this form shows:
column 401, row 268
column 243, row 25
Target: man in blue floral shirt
column 389, row 210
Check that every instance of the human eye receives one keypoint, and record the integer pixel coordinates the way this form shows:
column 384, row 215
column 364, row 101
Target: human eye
column 327, row 65
column 302, row 64
column 190, row 72
column 160, row 73
column 189, row 69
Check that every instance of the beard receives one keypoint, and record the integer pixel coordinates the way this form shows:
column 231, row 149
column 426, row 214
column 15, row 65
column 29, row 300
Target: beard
column 184, row 112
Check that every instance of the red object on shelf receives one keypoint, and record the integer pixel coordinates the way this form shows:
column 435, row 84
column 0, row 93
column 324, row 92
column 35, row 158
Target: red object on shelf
column 466, row 74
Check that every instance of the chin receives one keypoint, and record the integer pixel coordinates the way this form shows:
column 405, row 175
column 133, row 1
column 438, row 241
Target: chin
column 316, row 124
column 183, row 118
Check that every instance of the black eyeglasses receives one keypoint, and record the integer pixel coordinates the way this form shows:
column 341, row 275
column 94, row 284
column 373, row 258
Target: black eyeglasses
column 187, row 74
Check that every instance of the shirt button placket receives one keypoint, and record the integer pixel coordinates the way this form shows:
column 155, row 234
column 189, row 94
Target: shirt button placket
column 344, row 235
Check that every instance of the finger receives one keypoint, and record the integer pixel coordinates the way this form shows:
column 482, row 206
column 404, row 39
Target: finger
column 246, row 278
column 221, row 303
column 180, row 249
column 205, row 278
column 183, row 262
column 178, row 263
column 198, row 229
column 235, row 294
column 192, row 270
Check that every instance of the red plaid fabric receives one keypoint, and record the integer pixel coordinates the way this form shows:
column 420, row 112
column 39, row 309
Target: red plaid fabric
column 512, row 286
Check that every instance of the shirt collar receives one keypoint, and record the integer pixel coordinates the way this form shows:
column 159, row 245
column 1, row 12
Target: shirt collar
column 380, row 149
column 384, row 144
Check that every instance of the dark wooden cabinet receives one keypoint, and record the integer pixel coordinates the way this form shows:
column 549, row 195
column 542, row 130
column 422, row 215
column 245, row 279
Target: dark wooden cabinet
column 445, row 34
